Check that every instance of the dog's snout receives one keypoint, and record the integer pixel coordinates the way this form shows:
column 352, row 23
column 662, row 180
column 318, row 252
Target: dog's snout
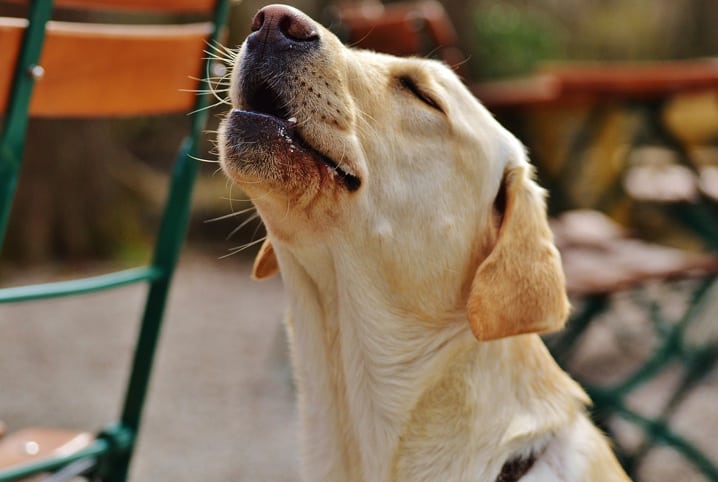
column 282, row 24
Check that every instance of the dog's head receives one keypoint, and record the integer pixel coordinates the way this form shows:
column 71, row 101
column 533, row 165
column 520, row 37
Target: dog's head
column 394, row 163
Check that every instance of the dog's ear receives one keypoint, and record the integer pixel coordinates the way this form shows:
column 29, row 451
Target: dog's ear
column 265, row 264
column 520, row 286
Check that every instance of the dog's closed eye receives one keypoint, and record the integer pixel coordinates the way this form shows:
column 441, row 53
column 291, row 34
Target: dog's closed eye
column 410, row 85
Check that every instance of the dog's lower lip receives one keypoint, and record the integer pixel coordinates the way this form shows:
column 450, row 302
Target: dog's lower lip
column 350, row 181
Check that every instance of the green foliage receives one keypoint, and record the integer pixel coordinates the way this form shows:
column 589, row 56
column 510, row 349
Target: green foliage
column 511, row 40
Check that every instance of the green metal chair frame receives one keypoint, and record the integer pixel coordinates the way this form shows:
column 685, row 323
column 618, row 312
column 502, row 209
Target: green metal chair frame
column 111, row 451
column 673, row 347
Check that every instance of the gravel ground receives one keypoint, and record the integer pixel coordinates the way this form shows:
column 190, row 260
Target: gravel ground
column 221, row 406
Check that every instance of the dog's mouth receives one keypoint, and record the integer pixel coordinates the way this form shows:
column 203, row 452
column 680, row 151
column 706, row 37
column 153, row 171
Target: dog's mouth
column 262, row 98
column 265, row 117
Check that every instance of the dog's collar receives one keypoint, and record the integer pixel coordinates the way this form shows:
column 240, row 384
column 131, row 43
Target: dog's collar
column 515, row 468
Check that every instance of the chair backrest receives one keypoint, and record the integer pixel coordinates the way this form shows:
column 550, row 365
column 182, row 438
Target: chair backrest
column 143, row 68
column 51, row 68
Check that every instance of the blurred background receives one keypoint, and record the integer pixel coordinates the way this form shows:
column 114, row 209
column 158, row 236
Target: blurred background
column 221, row 406
column 499, row 39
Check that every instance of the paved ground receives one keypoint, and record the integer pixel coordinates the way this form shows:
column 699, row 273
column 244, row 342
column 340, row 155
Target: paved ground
column 221, row 407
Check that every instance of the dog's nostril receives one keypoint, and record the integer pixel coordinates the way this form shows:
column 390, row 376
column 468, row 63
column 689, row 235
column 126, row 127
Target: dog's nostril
column 258, row 21
column 298, row 28
column 289, row 22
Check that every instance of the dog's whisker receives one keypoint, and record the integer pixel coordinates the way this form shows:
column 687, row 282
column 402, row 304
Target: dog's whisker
column 213, row 90
column 287, row 211
column 210, row 106
column 221, row 52
column 214, row 80
column 431, row 53
column 204, row 91
column 230, row 215
column 259, row 225
column 243, row 247
column 200, row 159
column 224, row 81
column 357, row 42
column 342, row 158
column 230, row 198
column 249, row 219
column 455, row 66
column 217, row 58
column 223, row 49
column 366, row 114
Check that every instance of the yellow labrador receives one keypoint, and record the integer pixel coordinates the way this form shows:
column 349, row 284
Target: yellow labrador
column 415, row 248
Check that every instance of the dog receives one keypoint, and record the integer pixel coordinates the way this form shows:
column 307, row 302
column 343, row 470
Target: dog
column 414, row 245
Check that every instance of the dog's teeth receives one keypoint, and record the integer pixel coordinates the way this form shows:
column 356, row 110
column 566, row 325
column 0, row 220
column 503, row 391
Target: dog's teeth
column 292, row 120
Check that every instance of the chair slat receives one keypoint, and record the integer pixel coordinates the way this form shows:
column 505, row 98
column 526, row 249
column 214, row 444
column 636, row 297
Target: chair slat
column 636, row 80
column 166, row 6
column 11, row 30
column 98, row 70
column 97, row 448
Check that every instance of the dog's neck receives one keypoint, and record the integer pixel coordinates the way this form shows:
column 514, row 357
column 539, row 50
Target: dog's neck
column 362, row 366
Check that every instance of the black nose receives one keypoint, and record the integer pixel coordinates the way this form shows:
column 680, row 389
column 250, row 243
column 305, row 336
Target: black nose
column 283, row 25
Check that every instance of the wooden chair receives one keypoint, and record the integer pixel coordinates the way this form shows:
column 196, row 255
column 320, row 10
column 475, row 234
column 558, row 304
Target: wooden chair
column 403, row 28
column 64, row 69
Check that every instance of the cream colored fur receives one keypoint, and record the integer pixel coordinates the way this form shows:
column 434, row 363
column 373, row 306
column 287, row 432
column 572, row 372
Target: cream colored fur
column 390, row 286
